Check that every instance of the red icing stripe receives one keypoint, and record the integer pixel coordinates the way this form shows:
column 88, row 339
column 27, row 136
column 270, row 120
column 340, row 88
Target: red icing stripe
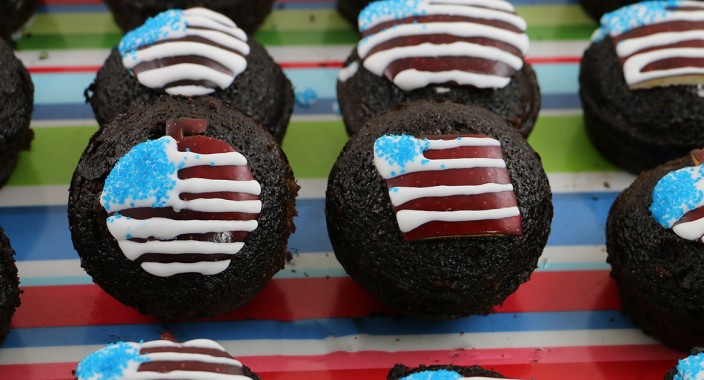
column 669, row 26
column 673, row 63
column 86, row 305
column 465, row 152
column 449, row 63
column 462, row 202
column 503, row 226
column 451, row 177
column 437, row 39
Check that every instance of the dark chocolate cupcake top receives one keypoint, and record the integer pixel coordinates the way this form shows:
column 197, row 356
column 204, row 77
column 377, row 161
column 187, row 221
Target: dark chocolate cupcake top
column 186, row 52
column 659, row 43
column 428, row 42
column 162, row 359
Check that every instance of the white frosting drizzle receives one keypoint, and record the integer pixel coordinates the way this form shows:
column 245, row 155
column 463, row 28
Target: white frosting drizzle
column 409, row 220
column 401, row 195
column 693, row 230
column 414, row 78
column 216, row 28
column 123, row 228
column 348, row 71
column 632, row 67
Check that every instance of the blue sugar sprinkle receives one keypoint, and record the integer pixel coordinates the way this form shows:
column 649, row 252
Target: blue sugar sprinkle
column 690, row 368
column 212, row 163
column 197, row 156
column 155, row 29
column 188, row 150
column 306, row 98
column 676, row 194
column 388, row 9
column 110, row 362
column 394, row 190
column 400, row 150
column 442, row 374
column 632, row 16
column 144, row 173
column 442, row 166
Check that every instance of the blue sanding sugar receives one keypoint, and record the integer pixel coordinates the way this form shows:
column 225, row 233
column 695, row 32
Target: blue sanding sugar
column 676, row 194
column 110, row 362
column 155, row 29
column 399, row 150
column 389, row 10
column 306, row 98
column 442, row 374
column 144, row 173
column 633, row 16
column 690, row 368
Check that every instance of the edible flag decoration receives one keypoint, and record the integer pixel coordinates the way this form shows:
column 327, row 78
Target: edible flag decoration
column 186, row 52
column 659, row 43
column 443, row 186
column 161, row 359
column 184, row 203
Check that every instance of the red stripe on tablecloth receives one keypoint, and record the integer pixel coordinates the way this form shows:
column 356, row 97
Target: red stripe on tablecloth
column 574, row 363
column 284, row 65
column 296, row 299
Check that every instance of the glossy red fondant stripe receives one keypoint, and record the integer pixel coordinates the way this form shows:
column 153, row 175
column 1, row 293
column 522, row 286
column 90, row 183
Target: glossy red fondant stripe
column 484, row 201
column 465, row 152
column 451, row 177
column 596, row 362
column 510, row 226
column 86, row 305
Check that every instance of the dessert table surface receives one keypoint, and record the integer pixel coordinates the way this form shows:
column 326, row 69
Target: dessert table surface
column 312, row 321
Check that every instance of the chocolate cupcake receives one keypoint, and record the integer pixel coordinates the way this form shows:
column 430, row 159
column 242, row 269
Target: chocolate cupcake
column 191, row 53
column 248, row 14
column 440, row 210
column 689, row 368
column 641, row 84
column 654, row 243
column 182, row 208
column 16, row 102
column 14, row 14
column 441, row 372
column 350, row 9
column 423, row 50
column 9, row 285
column 163, row 359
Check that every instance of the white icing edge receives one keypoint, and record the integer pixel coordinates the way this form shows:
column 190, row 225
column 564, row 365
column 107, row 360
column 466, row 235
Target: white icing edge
column 408, row 220
column 693, row 230
column 627, row 47
column 164, row 228
column 633, row 66
column 348, row 72
column 412, row 79
column 134, row 250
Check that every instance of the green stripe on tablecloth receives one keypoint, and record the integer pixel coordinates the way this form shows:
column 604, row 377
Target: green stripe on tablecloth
column 97, row 30
column 311, row 147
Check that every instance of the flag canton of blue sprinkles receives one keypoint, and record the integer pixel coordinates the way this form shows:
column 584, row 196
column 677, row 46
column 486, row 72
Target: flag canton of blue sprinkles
column 110, row 362
column 389, row 10
column 690, row 368
column 155, row 29
column 633, row 16
column 144, row 173
column 400, row 150
column 676, row 194
column 442, row 374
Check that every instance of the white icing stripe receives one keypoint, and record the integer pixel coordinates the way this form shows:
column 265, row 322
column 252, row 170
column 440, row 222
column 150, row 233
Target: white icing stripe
column 429, row 9
column 440, row 164
column 191, row 159
column 193, row 343
column 205, row 12
column 401, row 195
column 408, row 220
column 633, row 45
column 161, row 77
column 206, row 268
column 197, row 21
column 377, row 62
column 163, row 228
column 459, row 29
column 221, row 205
column 462, row 141
column 186, row 356
column 197, row 185
column 693, row 230
column 496, row 4
column 134, row 250
column 348, row 71
column 411, row 79
column 233, row 61
column 633, row 66
column 190, row 90
column 221, row 39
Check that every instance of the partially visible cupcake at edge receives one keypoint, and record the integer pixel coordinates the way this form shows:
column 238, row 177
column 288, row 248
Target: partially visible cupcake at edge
column 14, row 14
column 193, row 52
column 642, row 83
column 248, row 14
column 163, row 359
column 462, row 51
column 9, row 285
column 689, row 368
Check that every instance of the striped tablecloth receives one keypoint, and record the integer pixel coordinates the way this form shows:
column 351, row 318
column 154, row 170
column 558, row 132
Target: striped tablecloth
column 312, row 321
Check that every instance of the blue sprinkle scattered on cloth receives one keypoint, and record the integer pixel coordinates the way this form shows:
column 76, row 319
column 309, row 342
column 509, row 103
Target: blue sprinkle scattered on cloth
column 306, row 98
